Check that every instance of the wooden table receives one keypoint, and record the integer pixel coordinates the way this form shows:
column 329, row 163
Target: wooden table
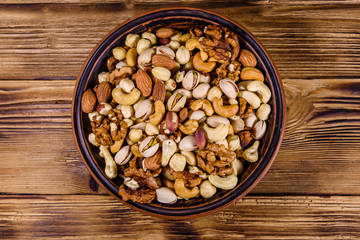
column 312, row 190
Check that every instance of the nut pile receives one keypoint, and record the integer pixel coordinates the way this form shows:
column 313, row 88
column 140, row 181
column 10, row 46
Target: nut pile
column 177, row 114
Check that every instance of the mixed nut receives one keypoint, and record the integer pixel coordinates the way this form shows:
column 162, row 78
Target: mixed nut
column 177, row 114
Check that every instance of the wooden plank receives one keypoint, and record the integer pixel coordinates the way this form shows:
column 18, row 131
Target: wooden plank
column 46, row 41
column 100, row 217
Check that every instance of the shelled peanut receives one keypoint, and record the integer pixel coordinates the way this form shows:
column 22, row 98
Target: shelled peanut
column 177, row 113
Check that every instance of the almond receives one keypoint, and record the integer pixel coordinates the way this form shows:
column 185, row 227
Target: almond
column 247, row 58
column 160, row 60
column 164, row 41
column 159, row 91
column 103, row 92
column 88, row 101
column 165, row 32
column 143, row 83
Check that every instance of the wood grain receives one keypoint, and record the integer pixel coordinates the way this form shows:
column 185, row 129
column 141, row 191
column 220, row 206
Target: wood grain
column 101, row 217
column 312, row 190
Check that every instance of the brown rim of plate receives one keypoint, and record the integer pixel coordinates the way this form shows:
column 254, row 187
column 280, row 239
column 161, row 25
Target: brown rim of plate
column 207, row 210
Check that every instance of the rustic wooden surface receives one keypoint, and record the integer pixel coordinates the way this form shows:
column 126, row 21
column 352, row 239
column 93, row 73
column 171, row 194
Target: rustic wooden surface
column 312, row 190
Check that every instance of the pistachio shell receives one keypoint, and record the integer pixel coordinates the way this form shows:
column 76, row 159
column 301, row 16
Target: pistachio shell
column 145, row 109
column 188, row 143
column 123, row 156
column 214, row 121
column 165, row 195
column 191, row 80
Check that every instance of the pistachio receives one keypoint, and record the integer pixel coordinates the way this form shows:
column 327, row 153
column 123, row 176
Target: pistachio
column 151, row 129
column 188, row 143
column 214, row 121
column 173, row 44
column 103, row 76
column 131, row 57
column 149, row 36
column 179, row 76
column 184, row 92
column 144, row 59
column 191, row 80
column 165, row 195
column 170, row 85
column 149, row 146
column 177, row 162
column 182, row 55
column 198, row 115
column 135, row 135
column 204, row 77
column 214, row 92
column 145, row 109
column 121, row 64
column 260, row 129
column 176, row 102
column 201, row 91
column 161, row 73
column 228, row 87
column 165, row 50
column 126, row 85
column 119, row 53
column 123, row 156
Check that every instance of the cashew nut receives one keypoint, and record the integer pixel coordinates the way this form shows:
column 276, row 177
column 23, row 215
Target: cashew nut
column 251, row 154
column 224, row 111
column 183, row 191
column 110, row 164
column 261, row 89
column 169, row 147
column 251, row 98
column 92, row 140
column 237, row 166
column 216, row 134
column 250, row 73
column 202, row 104
column 189, row 127
column 207, row 190
column 166, row 173
column 193, row 43
column 234, row 142
column 225, row 183
column 125, row 98
column 202, row 66
column 159, row 113
column 214, row 92
column 238, row 123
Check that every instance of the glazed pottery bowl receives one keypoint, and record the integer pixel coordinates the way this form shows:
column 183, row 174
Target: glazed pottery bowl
column 180, row 18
